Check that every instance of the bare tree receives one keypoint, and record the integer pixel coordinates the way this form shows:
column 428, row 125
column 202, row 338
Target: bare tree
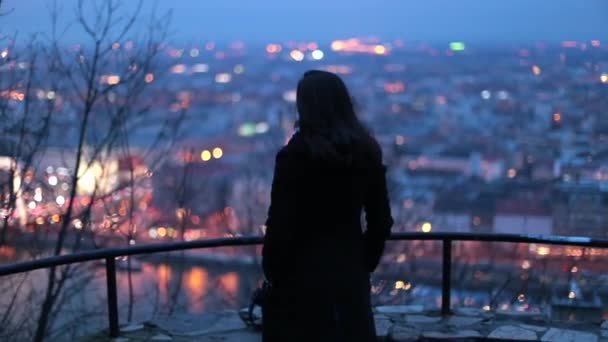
column 102, row 84
column 5, row 12
column 25, row 118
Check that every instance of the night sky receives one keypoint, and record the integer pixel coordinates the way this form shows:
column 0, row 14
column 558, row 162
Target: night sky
column 429, row 20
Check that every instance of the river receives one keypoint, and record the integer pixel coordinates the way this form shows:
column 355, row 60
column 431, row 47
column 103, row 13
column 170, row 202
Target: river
column 160, row 288
column 166, row 284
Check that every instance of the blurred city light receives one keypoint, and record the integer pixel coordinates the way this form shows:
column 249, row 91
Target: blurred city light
column 52, row 180
column 178, row 68
column 379, row 49
column 290, row 96
column 223, row 78
column 247, row 129
column 557, row 117
column 217, row 153
column 457, row 46
column 317, row 54
column 262, row 127
column 113, row 79
column 297, row 55
column 273, row 48
column 77, row 224
column 200, row 68
column 239, row 69
column 356, row 45
column 60, row 200
column 394, row 87
column 205, row 155
column 542, row 250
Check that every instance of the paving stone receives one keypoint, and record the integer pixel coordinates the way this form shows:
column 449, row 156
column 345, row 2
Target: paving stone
column 519, row 314
column 383, row 325
column 404, row 333
column 535, row 328
column 399, row 309
column 512, row 332
column 141, row 334
column 225, row 323
column 132, row 327
column 472, row 312
column 422, row 319
column 197, row 325
column 462, row 334
column 237, row 336
column 564, row 335
column 393, row 324
column 463, row 321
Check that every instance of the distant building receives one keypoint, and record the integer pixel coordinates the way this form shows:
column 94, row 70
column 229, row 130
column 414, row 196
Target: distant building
column 523, row 213
column 451, row 213
column 580, row 208
column 510, row 207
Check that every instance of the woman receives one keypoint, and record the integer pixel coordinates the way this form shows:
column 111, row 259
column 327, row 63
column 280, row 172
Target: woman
column 315, row 254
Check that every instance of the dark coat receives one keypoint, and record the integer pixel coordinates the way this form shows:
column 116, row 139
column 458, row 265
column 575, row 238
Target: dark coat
column 315, row 253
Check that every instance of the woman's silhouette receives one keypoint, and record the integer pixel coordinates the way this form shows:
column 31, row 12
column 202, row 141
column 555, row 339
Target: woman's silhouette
column 316, row 255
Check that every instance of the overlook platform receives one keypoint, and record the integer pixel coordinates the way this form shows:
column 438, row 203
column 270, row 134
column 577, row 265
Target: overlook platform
column 393, row 323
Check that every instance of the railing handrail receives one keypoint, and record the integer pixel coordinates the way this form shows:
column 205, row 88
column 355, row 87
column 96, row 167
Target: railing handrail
column 109, row 254
column 113, row 252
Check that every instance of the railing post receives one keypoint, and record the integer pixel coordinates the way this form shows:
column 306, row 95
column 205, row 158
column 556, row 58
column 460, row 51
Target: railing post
column 112, row 297
column 446, row 280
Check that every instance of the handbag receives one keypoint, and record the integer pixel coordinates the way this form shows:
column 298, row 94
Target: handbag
column 260, row 297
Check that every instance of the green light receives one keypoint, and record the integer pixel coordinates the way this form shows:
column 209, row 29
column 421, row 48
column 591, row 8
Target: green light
column 457, row 46
column 247, row 129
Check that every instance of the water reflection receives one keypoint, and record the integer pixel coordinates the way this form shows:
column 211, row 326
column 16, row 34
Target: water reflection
column 163, row 272
column 196, row 280
column 229, row 282
column 485, row 276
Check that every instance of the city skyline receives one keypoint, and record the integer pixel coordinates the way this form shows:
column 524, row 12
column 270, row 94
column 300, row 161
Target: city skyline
column 436, row 20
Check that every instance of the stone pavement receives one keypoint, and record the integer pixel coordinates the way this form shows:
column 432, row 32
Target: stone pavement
column 393, row 323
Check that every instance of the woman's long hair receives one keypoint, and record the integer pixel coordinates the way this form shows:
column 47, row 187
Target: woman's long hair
column 327, row 119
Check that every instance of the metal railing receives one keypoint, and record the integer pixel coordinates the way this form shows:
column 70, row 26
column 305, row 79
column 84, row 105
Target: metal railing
column 110, row 254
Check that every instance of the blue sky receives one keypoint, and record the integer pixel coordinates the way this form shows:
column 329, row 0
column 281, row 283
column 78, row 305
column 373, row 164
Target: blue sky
column 432, row 20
